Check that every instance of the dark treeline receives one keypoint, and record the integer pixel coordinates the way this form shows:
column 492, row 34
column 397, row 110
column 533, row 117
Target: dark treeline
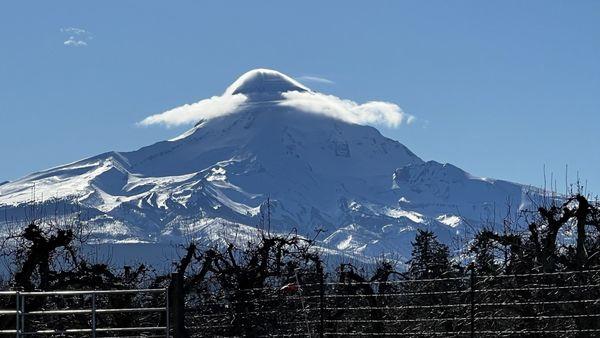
column 280, row 284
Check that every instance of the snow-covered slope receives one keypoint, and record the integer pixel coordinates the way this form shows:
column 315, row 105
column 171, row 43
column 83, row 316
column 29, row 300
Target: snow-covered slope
column 319, row 171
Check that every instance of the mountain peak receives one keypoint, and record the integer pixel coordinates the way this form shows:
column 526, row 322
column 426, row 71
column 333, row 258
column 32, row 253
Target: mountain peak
column 311, row 155
column 264, row 82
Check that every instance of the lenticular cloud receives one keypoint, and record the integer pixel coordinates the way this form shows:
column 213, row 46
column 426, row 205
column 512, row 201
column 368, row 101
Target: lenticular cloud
column 191, row 113
column 272, row 87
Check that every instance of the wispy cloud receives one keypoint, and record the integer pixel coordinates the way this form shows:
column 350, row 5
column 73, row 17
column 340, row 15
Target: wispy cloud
column 191, row 113
column 74, row 30
column 370, row 113
column 314, row 79
column 76, row 37
column 72, row 42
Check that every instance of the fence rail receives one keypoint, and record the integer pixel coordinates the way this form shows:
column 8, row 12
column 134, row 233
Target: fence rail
column 88, row 303
column 561, row 304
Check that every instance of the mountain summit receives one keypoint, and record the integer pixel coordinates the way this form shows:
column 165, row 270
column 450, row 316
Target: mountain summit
column 264, row 82
column 309, row 157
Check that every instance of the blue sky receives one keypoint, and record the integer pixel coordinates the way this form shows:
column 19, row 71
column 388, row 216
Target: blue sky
column 501, row 89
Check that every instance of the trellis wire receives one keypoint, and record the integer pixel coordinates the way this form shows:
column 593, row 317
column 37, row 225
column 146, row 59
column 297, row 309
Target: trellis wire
column 462, row 288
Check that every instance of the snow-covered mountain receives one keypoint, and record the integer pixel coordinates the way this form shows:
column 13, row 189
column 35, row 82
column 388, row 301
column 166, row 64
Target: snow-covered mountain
column 319, row 169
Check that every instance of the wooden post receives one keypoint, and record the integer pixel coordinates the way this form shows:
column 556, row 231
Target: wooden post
column 177, row 299
column 472, row 298
column 168, row 314
column 94, row 315
column 322, row 306
column 18, row 312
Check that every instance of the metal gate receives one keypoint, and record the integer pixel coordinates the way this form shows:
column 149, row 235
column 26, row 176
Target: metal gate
column 21, row 313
